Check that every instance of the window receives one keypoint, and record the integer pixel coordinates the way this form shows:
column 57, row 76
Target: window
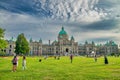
column 10, row 51
column 10, row 46
column 4, row 50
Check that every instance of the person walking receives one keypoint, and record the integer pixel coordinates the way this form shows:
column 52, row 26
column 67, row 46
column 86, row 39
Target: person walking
column 71, row 57
column 105, row 59
column 95, row 58
column 14, row 62
column 24, row 63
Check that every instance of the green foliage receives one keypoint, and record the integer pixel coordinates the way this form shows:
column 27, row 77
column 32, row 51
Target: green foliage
column 2, row 53
column 2, row 33
column 3, row 43
column 112, row 54
column 22, row 45
column 82, row 68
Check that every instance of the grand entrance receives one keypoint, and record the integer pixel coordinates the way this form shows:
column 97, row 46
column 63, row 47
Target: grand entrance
column 67, row 50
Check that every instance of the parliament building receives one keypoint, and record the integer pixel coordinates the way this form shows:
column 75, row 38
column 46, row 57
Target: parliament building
column 66, row 45
column 62, row 46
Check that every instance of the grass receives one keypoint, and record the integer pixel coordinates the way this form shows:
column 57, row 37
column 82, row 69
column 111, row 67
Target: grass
column 82, row 68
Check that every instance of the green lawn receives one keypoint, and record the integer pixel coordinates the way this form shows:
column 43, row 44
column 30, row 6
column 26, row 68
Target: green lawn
column 82, row 68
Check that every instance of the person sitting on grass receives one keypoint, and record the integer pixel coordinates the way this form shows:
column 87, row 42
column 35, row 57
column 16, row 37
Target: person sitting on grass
column 40, row 60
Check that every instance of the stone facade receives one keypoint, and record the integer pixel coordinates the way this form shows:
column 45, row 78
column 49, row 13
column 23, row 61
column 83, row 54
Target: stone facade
column 36, row 48
column 10, row 47
column 62, row 46
column 100, row 49
column 65, row 46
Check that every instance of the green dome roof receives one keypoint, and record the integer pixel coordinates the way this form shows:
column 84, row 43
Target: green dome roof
column 72, row 38
column 11, row 40
column 62, row 32
column 111, row 43
column 55, row 41
column 40, row 40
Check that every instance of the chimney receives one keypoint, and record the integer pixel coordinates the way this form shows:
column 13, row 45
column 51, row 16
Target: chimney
column 49, row 42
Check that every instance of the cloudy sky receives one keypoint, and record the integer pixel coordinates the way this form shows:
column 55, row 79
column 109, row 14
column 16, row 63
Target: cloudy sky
column 91, row 20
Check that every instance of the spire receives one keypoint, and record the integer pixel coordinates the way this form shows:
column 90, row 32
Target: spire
column 72, row 38
column 93, row 43
column 62, row 28
column 11, row 39
column 31, row 40
column 55, row 41
column 40, row 40
column 86, row 42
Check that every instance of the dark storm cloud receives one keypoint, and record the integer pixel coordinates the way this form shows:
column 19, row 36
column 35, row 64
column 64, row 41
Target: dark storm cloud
column 102, row 25
column 98, row 40
column 99, row 25
column 16, row 6
column 85, row 18
column 24, row 7
column 107, row 24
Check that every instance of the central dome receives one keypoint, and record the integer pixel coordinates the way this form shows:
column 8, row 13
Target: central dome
column 62, row 32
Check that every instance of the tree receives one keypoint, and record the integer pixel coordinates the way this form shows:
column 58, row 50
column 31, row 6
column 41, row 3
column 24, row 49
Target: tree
column 22, row 45
column 3, row 43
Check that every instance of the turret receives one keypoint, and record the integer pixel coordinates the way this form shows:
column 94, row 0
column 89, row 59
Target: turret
column 40, row 40
column 93, row 43
column 30, row 40
column 11, row 40
column 86, row 42
column 72, row 38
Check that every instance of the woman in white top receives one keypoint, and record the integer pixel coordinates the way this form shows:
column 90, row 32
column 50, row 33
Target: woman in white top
column 24, row 63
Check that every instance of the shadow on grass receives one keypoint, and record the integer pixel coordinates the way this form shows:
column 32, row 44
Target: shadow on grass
column 5, row 71
column 9, row 71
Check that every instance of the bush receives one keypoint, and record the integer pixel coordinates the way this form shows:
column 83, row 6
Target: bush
column 112, row 54
column 2, row 53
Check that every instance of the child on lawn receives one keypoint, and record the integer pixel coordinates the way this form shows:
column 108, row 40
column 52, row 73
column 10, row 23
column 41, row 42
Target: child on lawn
column 24, row 63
